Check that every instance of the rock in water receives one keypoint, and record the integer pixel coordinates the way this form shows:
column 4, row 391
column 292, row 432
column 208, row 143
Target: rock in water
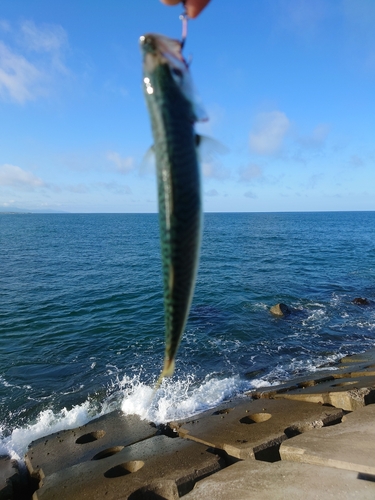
column 360, row 301
column 280, row 310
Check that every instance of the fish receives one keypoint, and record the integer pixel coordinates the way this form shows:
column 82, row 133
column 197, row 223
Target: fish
column 174, row 109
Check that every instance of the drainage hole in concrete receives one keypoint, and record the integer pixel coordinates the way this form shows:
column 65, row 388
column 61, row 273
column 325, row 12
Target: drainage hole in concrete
column 342, row 384
column 124, row 469
column 255, row 418
column 107, row 453
column 90, row 437
column 222, row 412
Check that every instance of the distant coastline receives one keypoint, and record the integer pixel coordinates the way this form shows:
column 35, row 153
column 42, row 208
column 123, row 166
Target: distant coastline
column 20, row 211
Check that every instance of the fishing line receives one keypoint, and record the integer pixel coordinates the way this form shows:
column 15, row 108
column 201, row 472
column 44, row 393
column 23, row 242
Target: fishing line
column 184, row 18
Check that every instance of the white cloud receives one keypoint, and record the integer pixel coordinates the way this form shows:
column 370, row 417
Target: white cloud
column 30, row 61
column 47, row 38
column 11, row 175
column 123, row 165
column 269, row 132
column 18, row 77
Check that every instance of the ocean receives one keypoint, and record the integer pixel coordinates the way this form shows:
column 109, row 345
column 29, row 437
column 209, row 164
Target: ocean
column 82, row 320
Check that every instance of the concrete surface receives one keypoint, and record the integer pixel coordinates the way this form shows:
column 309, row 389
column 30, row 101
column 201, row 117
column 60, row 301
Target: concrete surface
column 365, row 357
column 7, row 471
column 282, row 481
column 346, row 393
column 349, row 445
column 13, row 484
column 250, row 428
column 66, row 448
column 159, row 467
column 350, row 386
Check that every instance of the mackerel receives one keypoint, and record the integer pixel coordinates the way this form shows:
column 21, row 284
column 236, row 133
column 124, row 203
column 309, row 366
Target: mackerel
column 169, row 95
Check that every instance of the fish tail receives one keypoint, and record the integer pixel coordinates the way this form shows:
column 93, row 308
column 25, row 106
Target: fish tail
column 168, row 370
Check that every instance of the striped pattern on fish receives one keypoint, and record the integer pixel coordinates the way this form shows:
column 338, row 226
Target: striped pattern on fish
column 168, row 89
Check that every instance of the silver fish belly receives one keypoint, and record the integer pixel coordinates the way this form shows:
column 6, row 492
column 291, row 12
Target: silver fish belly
column 167, row 88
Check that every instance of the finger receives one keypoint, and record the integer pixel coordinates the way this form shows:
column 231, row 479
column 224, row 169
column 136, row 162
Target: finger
column 170, row 2
column 195, row 7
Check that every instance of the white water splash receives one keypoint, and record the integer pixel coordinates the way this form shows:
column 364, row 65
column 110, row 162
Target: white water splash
column 176, row 399
column 48, row 422
column 179, row 399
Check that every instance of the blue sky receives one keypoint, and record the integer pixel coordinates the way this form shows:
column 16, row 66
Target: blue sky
column 288, row 85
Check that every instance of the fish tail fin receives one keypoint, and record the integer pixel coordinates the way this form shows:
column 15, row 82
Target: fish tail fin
column 168, row 370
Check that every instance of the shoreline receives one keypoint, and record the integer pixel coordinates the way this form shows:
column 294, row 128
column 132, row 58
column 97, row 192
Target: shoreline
column 259, row 431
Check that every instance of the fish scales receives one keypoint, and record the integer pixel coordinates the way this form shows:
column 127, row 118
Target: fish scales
column 179, row 195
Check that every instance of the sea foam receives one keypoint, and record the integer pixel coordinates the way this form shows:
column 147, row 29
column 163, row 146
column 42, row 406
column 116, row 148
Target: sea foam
column 47, row 422
column 174, row 400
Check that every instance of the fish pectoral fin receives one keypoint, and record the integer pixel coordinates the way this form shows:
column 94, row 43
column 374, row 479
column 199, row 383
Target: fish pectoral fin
column 209, row 148
column 148, row 163
column 168, row 371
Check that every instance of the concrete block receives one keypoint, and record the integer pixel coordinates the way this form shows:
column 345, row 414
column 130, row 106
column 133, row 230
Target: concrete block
column 255, row 429
column 282, row 481
column 159, row 467
column 346, row 393
column 358, row 365
column 349, row 445
column 14, row 484
column 66, row 448
column 270, row 391
column 365, row 357
column 7, row 471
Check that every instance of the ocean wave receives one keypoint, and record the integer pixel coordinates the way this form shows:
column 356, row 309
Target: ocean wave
column 179, row 399
column 15, row 444
column 176, row 399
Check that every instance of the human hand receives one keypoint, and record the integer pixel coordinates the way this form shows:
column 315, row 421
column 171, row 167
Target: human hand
column 193, row 7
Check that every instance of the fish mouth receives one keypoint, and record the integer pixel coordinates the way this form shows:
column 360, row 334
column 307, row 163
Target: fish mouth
column 159, row 49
